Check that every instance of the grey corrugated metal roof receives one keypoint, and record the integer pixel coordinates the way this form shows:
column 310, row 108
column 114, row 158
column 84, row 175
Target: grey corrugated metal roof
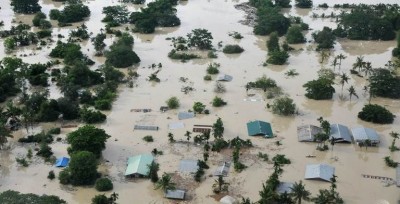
column 228, row 200
column 362, row 133
column 175, row 194
column 177, row 125
column 188, row 166
column 398, row 176
column 145, row 127
column 306, row 133
column 284, row 187
column 224, row 77
column 319, row 171
column 223, row 169
column 341, row 133
column 185, row 115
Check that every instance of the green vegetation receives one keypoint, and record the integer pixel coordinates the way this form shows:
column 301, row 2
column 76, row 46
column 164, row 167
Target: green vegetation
column 165, row 183
column 115, row 15
column 25, row 6
column 276, row 56
column 295, row 35
column 157, row 13
column 384, row 83
column 87, row 138
column 304, row 3
column 10, row 196
column 325, row 38
column 92, row 116
column 319, row 89
column 218, row 102
column 269, row 19
column 148, row 138
column 81, row 170
column 198, row 107
column 283, row 106
column 51, row 175
column 232, row 49
column 103, row 184
column 235, row 35
column 121, row 54
column 390, row 163
column 74, row 11
column 376, row 114
column 173, row 54
column 173, row 103
column 213, row 68
column 153, row 171
column 263, row 83
column 200, row 38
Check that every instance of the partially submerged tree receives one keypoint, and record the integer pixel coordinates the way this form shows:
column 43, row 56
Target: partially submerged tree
column 87, row 138
column 25, row 6
column 200, row 38
column 165, row 183
column 319, row 89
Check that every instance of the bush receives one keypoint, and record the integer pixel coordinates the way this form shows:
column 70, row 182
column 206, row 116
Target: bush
column 54, row 131
column 325, row 38
column 213, row 68
column 319, row 89
column 103, row 104
column 283, row 106
column 103, row 184
column 45, row 151
column 148, row 138
column 182, row 56
column 92, row 116
column 294, row 35
column 43, row 33
column 304, row 3
column 207, row 77
column 173, row 102
column 278, row 57
column 390, row 163
column 51, row 175
column 376, row 114
column 218, row 102
column 232, row 49
column 198, row 107
column 100, row 199
column 64, row 176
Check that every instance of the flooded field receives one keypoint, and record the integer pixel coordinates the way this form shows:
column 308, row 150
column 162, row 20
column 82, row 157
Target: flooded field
column 220, row 18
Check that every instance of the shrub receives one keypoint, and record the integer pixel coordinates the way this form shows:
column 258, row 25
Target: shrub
column 207, row 77
column 148, row 138
column 173, row 102
column 376, row 114
column 92, row 116
column 218, row 102
column 182, row 56
column 64, row 176
column 213, row 68
column 54, row 131
column 278, row 57
column 100, row 199
column 198, row 107
column 304, row 3
column 232, row 49
column 51, row 175
column 45, row 151
column 283, row 106
column 294, row 35
column 103, row 184
column 319, row 89
column 325, row 38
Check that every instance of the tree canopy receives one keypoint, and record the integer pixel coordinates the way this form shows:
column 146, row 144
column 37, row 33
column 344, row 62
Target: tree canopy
column 325, row 38
column 82, row 169
column 15, row 197
column 73, row 12
column 87, row 138
column 294, row 35
column 384, row 84
column 25, row 6
column 271, row 20
column 121, row 54
column 376, row 114
column 319, row 89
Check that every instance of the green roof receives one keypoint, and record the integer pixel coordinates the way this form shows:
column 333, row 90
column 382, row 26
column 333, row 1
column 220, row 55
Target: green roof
column 259, row 128
column 139, row 164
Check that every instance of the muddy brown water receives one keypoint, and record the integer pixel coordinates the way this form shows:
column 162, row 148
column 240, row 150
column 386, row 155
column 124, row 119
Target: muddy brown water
column 219, row 17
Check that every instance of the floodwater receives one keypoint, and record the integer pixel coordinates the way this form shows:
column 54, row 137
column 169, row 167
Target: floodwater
column 220, row 18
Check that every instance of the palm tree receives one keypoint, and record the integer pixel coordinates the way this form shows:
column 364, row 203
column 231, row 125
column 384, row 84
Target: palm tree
column 395, row 136
column 220, row 184
column 299, row 192
column 187, row 135
column 367, row 68
column 324, row 55
column 352, row 92
column 165, row 183
column 344, row 79
column 359, row 63
column 153, row 169
column 335, row 63
column 340, row 57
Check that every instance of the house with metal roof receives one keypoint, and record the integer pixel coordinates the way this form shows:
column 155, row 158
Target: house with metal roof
column 185, row 115
column 175, row 194
column 258, row 127
column 138, row 165
column 361, row 134
column 322, row 172
column 62, row 162
column 340, row 133
column 306, row 133
column 224, row 77
column 223, row 169
column 188, row 166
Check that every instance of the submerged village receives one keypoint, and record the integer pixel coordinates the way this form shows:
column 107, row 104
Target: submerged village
column 194, row 101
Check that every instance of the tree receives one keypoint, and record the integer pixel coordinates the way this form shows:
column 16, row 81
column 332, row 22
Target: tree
column 271, row 20
column 283, row 106
column 200, row 38
column 10, row 196
column 278, row 57
column 104, row 184
column 299, row 192
column 173, row 102
column 165, row 183
column 82, row 168
column 283, row 3
column 92, row 116
column 218, row 102
column 220, row 185
column 384, row 84
column 395, row 136
column 344, row 79
column 367, row 68
column 273, row 43
column 198, row 107
column 376, row 114
column 98, row 43
column 295, row 35
column 87, row 138
column 100, row 199
column 359, row 63
column 10, row 44
column 325, row 38
column 319, row 89
column 171, row 137
column 304, row 3
column 153, row 171
column 352, row 92
column 187, row 135
column 121, row 54
column 25, row 6
column 340, row 57
column 218, row 129
column 232, row 49
column 72, row 12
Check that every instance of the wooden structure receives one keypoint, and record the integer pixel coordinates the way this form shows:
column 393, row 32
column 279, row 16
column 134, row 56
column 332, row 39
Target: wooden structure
column 202, row 128
column 398, row 176
column 145, row 127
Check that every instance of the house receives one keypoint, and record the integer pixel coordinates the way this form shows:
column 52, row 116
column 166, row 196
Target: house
column 177, row 125
column 145, row 127
column 175, row 194
column 322, row 172
column 398, row 176
column 185, row 115
column 228, row 200
column 223, row 169
column 306, row 133
column 340, row 133
column 284, row 187
column 62, row 162
column 257, row 127
column 188, row 166
column 138, row 165
column 362, row 134
column 224, row 77
column 202, row 128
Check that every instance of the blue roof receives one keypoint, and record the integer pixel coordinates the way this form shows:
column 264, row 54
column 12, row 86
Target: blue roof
column 62, row 162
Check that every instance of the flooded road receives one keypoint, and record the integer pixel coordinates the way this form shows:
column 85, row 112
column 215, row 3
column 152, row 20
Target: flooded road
column 220, row 18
